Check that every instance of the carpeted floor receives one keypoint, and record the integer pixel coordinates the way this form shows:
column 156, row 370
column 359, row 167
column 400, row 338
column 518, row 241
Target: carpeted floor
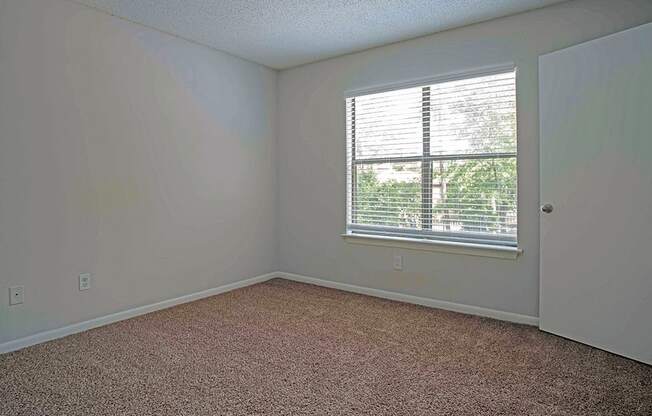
column 285, row 348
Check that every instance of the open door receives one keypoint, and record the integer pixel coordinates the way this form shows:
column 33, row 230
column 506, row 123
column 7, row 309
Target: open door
column 596, row 193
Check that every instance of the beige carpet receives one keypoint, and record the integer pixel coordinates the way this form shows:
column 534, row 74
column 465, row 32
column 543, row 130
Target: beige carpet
column 284, row 348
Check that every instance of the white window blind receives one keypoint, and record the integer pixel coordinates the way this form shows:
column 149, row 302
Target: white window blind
column 435, row 162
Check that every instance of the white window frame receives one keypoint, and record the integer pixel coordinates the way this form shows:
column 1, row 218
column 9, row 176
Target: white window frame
column 451, row 242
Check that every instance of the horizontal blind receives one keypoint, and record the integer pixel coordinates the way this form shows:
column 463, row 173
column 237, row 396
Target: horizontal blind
column 436, row 161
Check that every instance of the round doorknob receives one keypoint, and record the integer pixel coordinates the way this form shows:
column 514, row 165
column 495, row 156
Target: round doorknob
column 546, row 208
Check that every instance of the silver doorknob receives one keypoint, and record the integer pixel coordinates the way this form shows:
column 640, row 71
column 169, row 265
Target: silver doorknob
column 546, row 208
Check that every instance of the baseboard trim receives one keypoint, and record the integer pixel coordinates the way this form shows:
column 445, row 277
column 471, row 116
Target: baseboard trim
column 433, row 303
column 52, row 334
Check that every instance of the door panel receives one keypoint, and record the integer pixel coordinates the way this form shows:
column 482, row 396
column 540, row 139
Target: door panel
column 596, row 172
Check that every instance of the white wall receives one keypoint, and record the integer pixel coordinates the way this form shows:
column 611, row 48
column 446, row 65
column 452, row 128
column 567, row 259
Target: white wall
column 312, row 153
column 153, row 163
column 142, row 158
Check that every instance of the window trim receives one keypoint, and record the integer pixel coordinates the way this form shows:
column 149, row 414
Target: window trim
column 421, row 82
column 469, row 249
column 428, row 235
column 440, row 241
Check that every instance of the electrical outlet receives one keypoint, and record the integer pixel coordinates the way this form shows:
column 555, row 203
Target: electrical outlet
column 16, row 295
column 398, row 262
column 84, row 281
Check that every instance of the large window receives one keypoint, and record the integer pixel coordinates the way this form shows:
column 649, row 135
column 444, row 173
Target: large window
column 435, row 162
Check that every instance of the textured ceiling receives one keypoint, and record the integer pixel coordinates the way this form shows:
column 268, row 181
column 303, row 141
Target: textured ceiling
column 286, row 33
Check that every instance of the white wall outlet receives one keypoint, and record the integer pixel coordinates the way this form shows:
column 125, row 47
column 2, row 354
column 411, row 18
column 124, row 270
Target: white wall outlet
column 398, row 262
column 16, row 295
column 84, row 281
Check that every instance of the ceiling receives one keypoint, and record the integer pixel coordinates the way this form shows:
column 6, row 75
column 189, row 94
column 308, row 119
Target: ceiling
column 286, row 33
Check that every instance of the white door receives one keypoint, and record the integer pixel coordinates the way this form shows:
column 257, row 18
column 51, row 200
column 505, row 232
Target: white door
column 596, row 176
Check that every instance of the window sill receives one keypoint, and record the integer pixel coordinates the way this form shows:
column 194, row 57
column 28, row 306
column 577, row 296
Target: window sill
column 468, row 249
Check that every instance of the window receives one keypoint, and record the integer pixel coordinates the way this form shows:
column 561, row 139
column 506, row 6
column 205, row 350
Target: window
column 435, row 162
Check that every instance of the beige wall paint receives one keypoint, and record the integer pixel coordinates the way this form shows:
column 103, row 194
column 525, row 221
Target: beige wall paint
column 312, row 153
column 144, row 159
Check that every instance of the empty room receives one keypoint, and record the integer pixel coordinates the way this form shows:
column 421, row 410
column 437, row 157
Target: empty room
column 325, row 207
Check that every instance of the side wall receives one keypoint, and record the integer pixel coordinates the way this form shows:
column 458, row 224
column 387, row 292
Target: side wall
column 136, row 156
column 312, row 153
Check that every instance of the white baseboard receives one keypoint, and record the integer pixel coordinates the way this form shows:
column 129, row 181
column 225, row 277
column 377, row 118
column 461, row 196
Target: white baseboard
column 141, row 310
column 433, row 303
column 129, row 313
